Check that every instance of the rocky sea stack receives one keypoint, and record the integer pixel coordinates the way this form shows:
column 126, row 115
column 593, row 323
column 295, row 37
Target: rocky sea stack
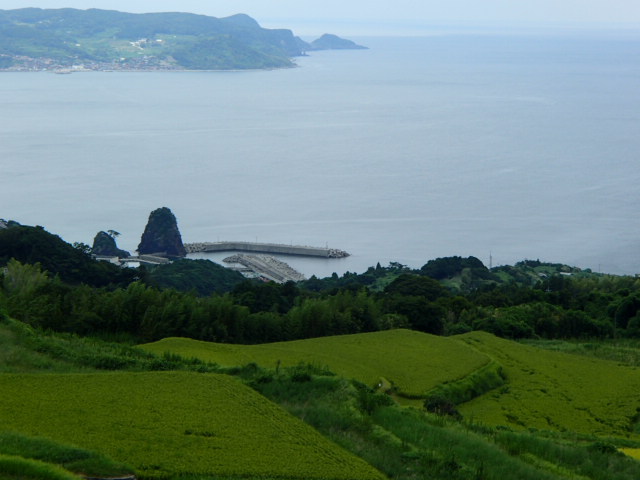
column 104, row 244
column 161, row 235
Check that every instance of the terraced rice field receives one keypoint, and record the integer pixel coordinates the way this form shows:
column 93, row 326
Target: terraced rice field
column 170, row 423
column 555, row 391
column 413, row 362
column 631, row 452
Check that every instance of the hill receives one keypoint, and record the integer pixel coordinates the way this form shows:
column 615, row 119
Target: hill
column 333, row 42
column 134, row 416
column 413, row 362
column 33, row 38
column 66, row 40
column 33, row 245
column 541, row 389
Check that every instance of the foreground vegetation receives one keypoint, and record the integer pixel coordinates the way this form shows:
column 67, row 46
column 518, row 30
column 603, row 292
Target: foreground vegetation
column 494, row 381
column 400, row 442
column 222, row 428
column 344, row 354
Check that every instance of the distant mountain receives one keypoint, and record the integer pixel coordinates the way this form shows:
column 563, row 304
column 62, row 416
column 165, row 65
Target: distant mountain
column 333, row 42
column 69, row 39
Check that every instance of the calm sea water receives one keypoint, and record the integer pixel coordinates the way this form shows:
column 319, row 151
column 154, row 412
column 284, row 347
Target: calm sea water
column 510, row 146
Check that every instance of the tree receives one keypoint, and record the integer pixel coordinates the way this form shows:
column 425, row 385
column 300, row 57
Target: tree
column 416, row 285
column 83, row 247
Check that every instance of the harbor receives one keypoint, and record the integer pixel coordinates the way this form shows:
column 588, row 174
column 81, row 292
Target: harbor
column 264, row 266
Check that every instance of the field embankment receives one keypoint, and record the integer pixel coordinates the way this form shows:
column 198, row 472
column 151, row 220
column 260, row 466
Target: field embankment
column 413, row 362
column 174, row 423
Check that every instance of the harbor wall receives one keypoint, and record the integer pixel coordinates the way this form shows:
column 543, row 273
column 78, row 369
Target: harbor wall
column 265, row 248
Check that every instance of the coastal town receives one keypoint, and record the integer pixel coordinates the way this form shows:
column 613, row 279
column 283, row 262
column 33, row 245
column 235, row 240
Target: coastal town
column 21, row 63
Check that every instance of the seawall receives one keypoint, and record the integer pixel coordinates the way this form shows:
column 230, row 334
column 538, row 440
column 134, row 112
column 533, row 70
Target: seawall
column 274, row 248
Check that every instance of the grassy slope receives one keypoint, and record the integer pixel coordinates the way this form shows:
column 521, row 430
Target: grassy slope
column 18, row 468
column 414, row 362
column 22, row 449
column 172, row 423
column 544, row 389
column 556, row 391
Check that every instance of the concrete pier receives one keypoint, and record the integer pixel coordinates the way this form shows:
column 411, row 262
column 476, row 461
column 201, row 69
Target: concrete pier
column 267, row 267
column 273, row 248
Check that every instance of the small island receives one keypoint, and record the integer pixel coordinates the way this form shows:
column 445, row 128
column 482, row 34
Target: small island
column 70, row 40
column 333, row 42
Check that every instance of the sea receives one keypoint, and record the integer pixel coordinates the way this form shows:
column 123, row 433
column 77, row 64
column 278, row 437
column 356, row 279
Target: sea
column 503, row 146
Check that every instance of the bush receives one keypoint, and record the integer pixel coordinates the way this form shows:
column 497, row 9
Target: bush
column 473, row 385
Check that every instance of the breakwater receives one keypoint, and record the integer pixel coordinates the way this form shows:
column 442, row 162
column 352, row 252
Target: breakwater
column 273, row 248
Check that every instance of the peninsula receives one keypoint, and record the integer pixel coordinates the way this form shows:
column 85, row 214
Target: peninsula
column 70, row 40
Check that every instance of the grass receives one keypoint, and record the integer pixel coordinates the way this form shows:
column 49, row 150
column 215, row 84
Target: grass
column 18, row 468
column 166, row 424
column 452, row 451
column 631, row 452
column 556, row 391
column 70, row 458
column 623, row 351
column 24, row 349
column 473, row 385
column 526, row 402
column 413, row 362
column 407, row 443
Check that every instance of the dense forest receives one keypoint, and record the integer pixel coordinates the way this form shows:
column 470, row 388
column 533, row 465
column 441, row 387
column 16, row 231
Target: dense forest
column 50, row 284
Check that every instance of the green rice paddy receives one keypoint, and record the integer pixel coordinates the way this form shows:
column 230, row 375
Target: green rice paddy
column 166, row 424
column 556, row 391
column 413, row 362
column 539, row 389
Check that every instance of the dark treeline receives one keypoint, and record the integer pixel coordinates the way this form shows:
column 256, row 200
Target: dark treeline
column 252, row 313
column 62, row 289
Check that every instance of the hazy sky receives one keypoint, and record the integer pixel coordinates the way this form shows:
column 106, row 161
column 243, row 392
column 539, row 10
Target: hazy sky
column 307, row 17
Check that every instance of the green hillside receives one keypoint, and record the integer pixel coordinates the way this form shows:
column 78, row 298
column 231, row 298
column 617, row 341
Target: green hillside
column 37, row 39
column 413, row 362
column 174, row 423
column 541, row 389
column 203, row 426
column 556, row 391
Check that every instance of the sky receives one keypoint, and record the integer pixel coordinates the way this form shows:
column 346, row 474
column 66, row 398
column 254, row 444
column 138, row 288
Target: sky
column 377, row 17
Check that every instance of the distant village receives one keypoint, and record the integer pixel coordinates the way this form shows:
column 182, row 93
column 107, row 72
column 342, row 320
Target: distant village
column 142, row 63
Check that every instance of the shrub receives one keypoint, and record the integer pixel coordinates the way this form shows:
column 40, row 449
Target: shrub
column 441, row 405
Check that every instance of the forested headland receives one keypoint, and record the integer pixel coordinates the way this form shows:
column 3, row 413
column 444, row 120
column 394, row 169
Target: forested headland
column 66, row 40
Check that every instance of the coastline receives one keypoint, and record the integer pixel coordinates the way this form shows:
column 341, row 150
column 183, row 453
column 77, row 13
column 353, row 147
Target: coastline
column 145, row 70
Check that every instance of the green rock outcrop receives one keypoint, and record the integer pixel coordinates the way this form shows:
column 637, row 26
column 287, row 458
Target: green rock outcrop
column 105, row 245
column 161, row 235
